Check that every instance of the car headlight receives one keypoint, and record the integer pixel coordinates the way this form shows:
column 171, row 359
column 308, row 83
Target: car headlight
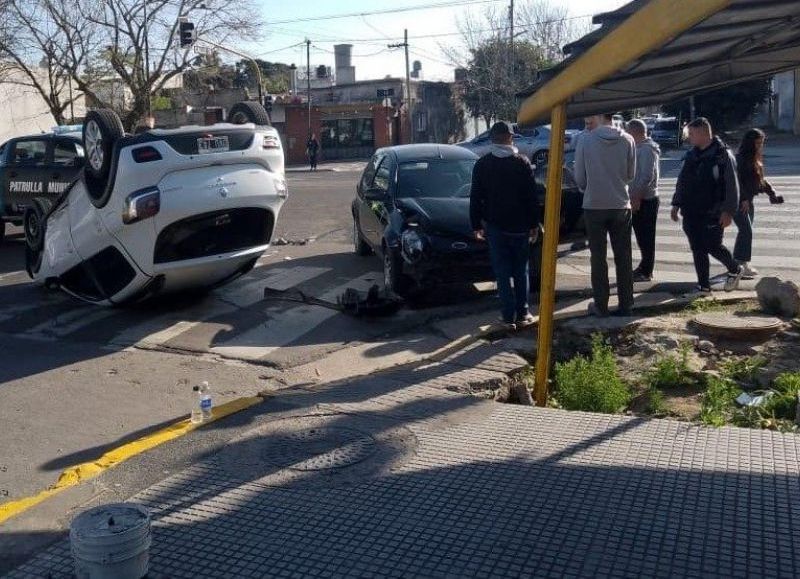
column 413, row 245
column 141, row 205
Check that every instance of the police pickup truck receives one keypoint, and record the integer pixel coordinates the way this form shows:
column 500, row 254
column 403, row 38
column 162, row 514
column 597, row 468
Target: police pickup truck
column 37, row 167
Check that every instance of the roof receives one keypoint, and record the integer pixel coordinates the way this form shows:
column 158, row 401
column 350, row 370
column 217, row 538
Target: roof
column 730, row 41
column 421, row 152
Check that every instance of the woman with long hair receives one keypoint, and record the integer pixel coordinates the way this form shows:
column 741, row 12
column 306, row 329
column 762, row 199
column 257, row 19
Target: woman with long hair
column 750, row 167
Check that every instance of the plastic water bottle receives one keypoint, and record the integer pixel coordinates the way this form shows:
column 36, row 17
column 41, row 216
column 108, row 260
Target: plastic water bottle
column 197, row 412
column 205, row 401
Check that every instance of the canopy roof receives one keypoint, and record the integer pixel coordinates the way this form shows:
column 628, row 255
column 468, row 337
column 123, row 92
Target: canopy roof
column 707, row 44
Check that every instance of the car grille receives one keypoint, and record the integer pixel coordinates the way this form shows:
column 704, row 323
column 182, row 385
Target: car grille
column 213, row 234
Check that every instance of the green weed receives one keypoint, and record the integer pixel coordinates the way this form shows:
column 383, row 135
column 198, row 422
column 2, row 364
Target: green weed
column 744, row 369
column 592, row 384
column 671, row 371
column 718, row 401
column 656, row 405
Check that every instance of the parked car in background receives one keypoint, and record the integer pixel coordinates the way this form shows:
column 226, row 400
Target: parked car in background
column 37, row 167
column 532, row 142
column 667, row 133
column 164, row 210
column 412, row 210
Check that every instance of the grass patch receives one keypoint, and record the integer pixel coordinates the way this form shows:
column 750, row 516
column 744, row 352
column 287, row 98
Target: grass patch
column 592, row 384
column 743, row 369
column 719, row 401
column 705, row 305
column 671, row 371
column 656, row 403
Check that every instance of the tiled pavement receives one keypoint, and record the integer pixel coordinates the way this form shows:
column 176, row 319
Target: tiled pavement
column 403, row 475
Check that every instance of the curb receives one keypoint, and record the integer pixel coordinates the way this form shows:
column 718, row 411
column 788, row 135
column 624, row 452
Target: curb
column 79, row 473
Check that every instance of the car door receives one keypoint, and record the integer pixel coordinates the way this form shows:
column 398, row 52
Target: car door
column 26, row 172
column 65, row 165
column 366, row 215
column 377, row 213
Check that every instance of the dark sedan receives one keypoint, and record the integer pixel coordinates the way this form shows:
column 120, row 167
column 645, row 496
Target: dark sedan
column 412, row 209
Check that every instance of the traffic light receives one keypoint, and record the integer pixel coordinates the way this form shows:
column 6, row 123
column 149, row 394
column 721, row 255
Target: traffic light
column 188, row 34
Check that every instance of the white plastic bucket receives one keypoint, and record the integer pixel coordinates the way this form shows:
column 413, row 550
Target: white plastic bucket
column 111, row 542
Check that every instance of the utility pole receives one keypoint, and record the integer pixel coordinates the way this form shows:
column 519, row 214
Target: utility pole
column 147, row 62
column 408, row 81
column 308, row 82
column 511, row 39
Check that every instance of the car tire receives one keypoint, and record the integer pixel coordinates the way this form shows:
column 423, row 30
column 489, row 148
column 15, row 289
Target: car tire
column 394, row 279
column 360, row 246
column 249, row 112
column 539, row 157
column 34, row 224
column 101, row 131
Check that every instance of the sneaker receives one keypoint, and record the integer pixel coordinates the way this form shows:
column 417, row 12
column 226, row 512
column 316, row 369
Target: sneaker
column 640, row 277
column 733, row 279
column 597, row 312
column 506, row 325
column 748, row 272
column 526, row 320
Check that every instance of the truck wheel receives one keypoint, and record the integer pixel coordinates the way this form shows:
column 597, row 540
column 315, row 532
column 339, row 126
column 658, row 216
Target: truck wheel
column 101, row 130
column 34, row 226
column 249, row 112
column 33, row 261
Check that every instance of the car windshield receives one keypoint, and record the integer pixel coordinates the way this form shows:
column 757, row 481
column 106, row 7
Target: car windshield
column 666, row 126
column 440, row 178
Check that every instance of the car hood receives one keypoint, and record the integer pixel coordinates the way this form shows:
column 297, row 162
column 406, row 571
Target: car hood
column 439, row 216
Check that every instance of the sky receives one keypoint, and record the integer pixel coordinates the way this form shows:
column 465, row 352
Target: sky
column 370, row 34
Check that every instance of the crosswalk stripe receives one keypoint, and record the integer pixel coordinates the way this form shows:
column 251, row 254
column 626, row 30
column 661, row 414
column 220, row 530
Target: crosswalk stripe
column 230, row 298
column 677, row 257
column 292, row 325
column 66, row 324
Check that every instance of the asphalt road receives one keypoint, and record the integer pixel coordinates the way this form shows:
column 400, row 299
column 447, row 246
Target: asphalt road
column 76, row 380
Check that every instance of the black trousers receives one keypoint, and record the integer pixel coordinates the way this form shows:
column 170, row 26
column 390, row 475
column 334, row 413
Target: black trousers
column 644, row 226
column 705, row 238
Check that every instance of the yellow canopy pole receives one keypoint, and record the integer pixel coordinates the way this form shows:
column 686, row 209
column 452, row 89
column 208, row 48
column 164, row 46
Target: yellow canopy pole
column 552, row 222
column 652, row 26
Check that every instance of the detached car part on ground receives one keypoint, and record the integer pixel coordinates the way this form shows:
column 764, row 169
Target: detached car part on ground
column 165, row 210
column 412, row 209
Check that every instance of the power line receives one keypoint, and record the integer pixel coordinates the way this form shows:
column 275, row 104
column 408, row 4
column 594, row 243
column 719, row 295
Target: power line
column 431, row 6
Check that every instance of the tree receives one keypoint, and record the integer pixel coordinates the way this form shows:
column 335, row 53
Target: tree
column 541, row 29
column 130, row 46
column 490, row 90
column 726, row 108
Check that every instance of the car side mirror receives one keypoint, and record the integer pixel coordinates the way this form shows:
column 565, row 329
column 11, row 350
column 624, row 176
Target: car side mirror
column 374, row 194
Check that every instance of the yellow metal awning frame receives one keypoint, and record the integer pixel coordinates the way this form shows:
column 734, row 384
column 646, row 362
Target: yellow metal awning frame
column 631, row 40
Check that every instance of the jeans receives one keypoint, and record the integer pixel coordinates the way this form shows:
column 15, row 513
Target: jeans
column 705, row 238
column 743, row 248
column 644, row 226
column 313, row 161
column 616, row 224
column 510, row 254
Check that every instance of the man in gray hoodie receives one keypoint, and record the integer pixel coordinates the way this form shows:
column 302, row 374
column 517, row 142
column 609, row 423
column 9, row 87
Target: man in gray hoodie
column 644, row 198
column 605, row 162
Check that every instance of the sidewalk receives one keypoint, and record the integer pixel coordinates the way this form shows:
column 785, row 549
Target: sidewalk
column 335, row 166
column 406, row 474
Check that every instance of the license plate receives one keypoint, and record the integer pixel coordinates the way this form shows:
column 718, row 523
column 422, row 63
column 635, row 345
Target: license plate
column 207, row 145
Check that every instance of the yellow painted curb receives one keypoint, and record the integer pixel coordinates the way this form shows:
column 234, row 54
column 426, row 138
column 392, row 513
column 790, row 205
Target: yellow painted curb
column 89, row 470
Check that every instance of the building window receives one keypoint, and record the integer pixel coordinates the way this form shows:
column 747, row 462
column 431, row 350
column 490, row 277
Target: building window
column 347, row 133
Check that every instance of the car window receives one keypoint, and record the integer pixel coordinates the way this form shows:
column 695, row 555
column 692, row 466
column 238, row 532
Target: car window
column 434, row 178
column 383, row 175
column 369, row 172
column 67, row 154
column 666, row 126
column 528, row 132
column 29, row 153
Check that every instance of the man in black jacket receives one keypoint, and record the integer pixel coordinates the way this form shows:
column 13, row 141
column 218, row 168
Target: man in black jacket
column 707, row 195
column 504, row 211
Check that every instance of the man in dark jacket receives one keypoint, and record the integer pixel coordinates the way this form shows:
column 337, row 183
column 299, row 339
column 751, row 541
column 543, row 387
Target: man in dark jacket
column 707, row 195
column 504, row 211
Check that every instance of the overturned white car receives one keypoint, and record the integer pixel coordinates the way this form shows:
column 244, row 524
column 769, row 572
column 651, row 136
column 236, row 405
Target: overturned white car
column 162, row 211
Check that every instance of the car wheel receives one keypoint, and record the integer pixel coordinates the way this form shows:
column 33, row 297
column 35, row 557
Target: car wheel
column 539, row 157
column 361, row 247
column 249, row 112
column 101, row 130
column 394, row 279
column 34, row 226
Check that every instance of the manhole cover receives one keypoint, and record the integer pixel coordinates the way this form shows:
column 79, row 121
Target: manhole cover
column 320, row 448
column 738, row 326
